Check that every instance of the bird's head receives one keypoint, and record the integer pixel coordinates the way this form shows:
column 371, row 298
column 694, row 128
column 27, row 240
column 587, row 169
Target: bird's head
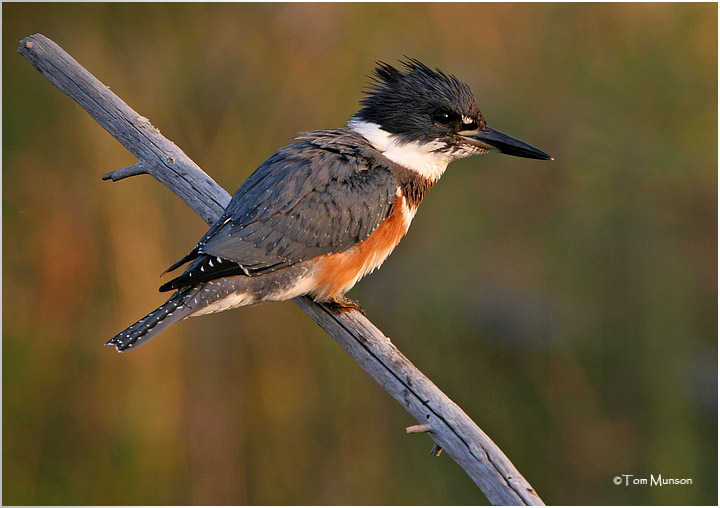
column 422, row 111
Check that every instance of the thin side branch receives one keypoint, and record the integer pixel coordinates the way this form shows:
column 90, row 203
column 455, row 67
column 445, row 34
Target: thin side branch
column 447, row 424
column 418, row 429
column 136, row 169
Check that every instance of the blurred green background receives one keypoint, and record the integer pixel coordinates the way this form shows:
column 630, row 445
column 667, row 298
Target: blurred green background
column 569, row 307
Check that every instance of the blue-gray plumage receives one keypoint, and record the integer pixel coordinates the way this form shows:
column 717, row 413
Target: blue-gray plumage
column 328, row 208
column 320, row 195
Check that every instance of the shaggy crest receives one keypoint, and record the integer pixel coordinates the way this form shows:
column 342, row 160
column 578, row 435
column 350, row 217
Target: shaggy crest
column 392, row 96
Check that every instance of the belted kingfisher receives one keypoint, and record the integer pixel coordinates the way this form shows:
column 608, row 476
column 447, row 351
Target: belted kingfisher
column 327, row 209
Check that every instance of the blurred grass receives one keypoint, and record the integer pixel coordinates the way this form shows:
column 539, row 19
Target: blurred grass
column 569, row 307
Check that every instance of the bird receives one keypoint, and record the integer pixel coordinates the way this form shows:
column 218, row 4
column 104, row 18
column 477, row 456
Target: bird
column 328, row 208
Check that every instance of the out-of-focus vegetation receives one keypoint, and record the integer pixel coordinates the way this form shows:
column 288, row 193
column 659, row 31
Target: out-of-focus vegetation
column 570, row 307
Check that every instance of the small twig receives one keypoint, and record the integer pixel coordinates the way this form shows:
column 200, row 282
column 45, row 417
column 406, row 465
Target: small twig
column 452, row 429
column 136, row 169
column 418, row 429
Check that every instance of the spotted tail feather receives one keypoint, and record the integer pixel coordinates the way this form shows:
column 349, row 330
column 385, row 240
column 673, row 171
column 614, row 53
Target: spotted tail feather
column 148, row 327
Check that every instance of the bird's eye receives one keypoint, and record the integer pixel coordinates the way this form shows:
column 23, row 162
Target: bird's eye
column 442, row 117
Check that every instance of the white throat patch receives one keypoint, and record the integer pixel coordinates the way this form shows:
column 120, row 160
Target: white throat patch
column 418, row 157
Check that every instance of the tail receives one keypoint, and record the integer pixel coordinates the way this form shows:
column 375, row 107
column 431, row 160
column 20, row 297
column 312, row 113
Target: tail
column 193, row 300
column 148, row 327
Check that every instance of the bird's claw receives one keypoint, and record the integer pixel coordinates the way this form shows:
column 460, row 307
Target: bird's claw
column 343, row 302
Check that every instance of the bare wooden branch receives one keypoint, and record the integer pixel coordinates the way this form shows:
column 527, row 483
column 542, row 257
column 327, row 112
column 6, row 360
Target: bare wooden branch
column 158, row 155
column 445, row 422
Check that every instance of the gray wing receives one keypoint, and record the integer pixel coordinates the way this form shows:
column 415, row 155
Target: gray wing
column 317, row 196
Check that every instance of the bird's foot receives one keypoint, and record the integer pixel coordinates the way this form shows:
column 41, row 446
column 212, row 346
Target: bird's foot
column 343, row 302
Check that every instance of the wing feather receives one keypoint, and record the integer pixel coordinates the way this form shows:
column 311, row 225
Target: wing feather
column 319, row 195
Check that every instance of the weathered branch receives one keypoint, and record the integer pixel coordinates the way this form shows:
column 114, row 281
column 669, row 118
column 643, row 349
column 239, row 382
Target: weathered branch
column 441, row 418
